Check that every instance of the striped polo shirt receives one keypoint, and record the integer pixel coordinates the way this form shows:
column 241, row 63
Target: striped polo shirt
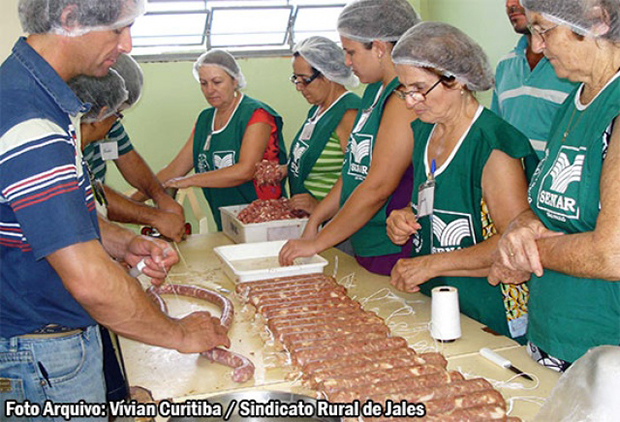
column 326, row 170
column 528, row 99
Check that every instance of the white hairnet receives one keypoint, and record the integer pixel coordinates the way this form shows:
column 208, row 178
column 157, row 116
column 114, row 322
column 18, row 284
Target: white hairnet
column 447, row 49
column 131, row 73
column 596, row 18
column 328, row 58
column 224, row 60
column 383, row 20
column 80, row 17
column 107, row 92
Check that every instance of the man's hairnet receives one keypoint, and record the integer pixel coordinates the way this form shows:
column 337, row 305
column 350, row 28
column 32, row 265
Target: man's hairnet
column 77, row 17
column 328, row 58
column 105, row 95
column 443, row 47
column 595, row 18
column 131, row 73
column 224, row 60
column 383, row 20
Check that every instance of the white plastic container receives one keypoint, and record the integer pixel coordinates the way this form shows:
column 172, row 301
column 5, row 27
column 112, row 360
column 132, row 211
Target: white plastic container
column 259, row 261
column 259, row 232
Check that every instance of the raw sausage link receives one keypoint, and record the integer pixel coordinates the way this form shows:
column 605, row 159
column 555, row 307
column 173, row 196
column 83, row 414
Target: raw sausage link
column 282, row 326
column 424, row 394
column 356, row 360
column 281, row 282
column 369, row 366
column 423, row 381
column 200, row 293
column 332, row 330
column 243, row 367
column 309, row 317
column 274, row 307
column 326, row 342
column 332, row 385
column 311, row 355
column 293, row 289
column 350, row 305
column 474, row 399
column 315, row 290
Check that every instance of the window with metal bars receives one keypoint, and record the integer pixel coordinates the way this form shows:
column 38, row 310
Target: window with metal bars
column 181, row 29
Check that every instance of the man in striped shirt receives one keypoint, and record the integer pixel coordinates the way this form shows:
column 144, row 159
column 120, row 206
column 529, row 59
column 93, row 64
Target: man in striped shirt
column 57, row 277
column 527, row 92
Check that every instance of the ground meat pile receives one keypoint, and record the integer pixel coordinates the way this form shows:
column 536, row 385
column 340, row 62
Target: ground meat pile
column 267, row 173
column 263, row 210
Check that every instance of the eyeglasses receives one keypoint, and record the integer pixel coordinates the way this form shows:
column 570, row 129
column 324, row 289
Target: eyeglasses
column 304, row 80
column 119, row 115
column 540, row 33
column 415, row 95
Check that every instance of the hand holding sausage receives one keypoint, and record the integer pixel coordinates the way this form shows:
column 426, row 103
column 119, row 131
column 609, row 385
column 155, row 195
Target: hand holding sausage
column 201, row 332
column 401, row 225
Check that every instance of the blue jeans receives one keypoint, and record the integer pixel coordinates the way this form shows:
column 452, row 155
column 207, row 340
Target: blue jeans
column 61, row 370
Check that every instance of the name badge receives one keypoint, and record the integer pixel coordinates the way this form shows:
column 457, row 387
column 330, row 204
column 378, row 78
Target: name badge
column 362, row 121
column 109, row 150
column 307, row 131
column 426, row 198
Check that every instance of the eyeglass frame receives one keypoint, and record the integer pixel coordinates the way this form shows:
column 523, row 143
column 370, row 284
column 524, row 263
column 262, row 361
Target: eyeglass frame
column 418, row 96
column 119, row 115
column 304, row 81
column 541, row 34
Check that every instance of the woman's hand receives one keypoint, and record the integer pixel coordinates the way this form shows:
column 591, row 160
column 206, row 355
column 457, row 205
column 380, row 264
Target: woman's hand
column 517, row 247
column 500, row 274
column 177, row 182
column 304, row 202
column 401, row 225
column 409, row 273
column 296, row 248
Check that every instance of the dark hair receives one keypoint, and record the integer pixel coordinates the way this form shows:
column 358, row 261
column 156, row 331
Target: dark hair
column 368, row 45
column 314, row 70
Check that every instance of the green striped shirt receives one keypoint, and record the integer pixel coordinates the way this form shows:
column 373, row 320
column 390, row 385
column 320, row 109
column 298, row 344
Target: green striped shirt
column 326, row 170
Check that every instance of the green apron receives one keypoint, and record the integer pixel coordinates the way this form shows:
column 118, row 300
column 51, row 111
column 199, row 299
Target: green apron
column 569, row 315
column 371, row 239
column 220, row 149
column 311, row 139
column 460, row 218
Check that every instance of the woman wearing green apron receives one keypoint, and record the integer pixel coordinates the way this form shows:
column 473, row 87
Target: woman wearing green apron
column 317, row 151
column 228, row 140
column 468, row 173
column 376, row 175
column 569, row 240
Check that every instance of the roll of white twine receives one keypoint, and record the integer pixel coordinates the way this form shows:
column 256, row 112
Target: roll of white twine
column 445, row 314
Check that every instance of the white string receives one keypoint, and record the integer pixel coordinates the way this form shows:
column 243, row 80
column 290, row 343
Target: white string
column 347, row 281
column 539, row 401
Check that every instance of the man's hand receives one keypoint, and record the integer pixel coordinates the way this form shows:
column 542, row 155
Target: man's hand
column 201, row 332
column 160, row 257
column 170, row 225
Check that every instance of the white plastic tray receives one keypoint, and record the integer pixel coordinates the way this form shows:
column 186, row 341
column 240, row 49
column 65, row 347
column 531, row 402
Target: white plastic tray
column 259, row 232
column 259, row 261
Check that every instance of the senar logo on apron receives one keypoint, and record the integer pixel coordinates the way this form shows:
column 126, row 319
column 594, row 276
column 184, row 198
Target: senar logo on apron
column 558, row 194
column 223, row 159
